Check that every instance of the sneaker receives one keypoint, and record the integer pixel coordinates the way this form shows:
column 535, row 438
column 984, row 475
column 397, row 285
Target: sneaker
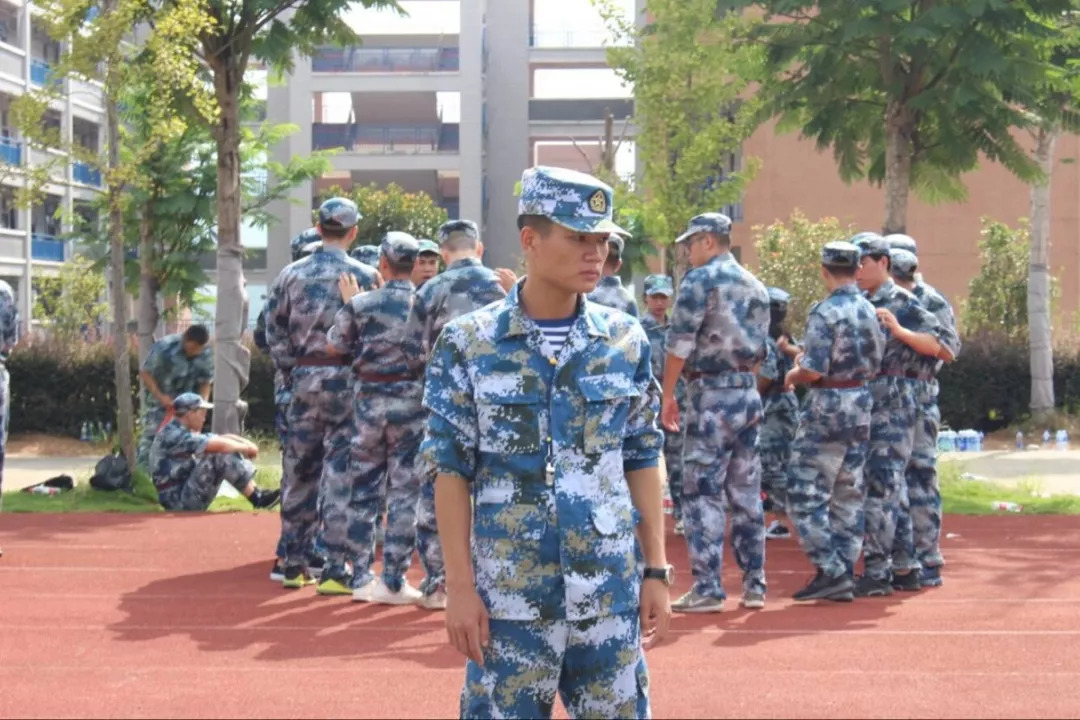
column 931, row 577
column 752, row 600
column 377, row 591
column 262, row 499
column 277, row 573
column 680, row 529
column 433, row 601
column 826, row 587
column 692, row 602
column 296, row 578
column 777, row 531
column 908, row 582
column 315, row 566
column 866, row 586
column 334, row 584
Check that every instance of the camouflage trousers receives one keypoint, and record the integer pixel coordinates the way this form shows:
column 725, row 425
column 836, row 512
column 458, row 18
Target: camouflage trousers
column 774, row 446
column 152, row 418
column 281, row 427
column 596, row 666
column 720, row 460
column 201, row 487
column 892, row 434
column 389, row 429
column 427, row 535
column 316, row 461
column 5, row 421
column 673, row 462
column 918, row 527
column 826, row 489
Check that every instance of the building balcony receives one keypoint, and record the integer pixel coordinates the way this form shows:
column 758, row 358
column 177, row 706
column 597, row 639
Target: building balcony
column 39, row 72
column 12, row 62
column 10, row 151
column 386, row 60
column 387, row 139
column 540, row 38
column 83, row 173
column 46, row 247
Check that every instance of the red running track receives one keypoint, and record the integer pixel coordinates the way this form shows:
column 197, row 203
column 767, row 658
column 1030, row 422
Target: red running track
column 173, row 616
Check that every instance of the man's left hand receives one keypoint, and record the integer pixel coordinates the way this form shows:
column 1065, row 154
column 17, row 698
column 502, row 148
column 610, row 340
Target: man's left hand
column 655, row 611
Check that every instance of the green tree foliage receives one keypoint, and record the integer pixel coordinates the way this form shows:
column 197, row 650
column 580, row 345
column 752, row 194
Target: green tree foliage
column 71, row 301
column 688, row 76
column 392, row 208
column 789, row 254
column 996, row 304
column 906, row 94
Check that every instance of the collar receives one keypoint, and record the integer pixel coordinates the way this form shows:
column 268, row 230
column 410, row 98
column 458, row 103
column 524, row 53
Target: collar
column 399, row 284
column 464, row 262
column 849, row 289
column 512, row 321
column 721, row 259
column 883, row 292
column 328, row 250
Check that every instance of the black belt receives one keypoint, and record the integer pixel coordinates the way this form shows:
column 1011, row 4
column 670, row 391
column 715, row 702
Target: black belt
column 375, row 378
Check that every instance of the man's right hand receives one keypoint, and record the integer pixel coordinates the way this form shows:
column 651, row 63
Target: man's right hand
column 467, row 623
column 507, row 278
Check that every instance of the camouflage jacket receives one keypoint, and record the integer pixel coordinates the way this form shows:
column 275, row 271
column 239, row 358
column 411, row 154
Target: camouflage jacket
column 936, row 303
column 9, row 320
column 610, row 292
column 843, row 339
column 775, row 369
column 173, row 454
column 899, row 359
column 173, row 371
column 465, row 286
column 558, row 545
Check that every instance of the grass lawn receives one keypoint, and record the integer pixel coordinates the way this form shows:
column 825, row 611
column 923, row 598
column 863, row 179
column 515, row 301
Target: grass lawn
column 960, row 496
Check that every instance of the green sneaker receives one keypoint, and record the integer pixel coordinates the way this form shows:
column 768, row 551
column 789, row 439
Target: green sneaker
column 295, row 578
column 334, row 586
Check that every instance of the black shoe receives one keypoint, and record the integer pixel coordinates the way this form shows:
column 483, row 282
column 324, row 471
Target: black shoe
column 930, row 577
column 296, row 577
column 826, row 587
column 866, row 586
column 277, row 573
column 908, row 582
column 315, row 566
column 261, row 499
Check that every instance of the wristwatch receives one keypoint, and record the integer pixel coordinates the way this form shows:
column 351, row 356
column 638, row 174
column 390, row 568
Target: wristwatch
column 664, row 574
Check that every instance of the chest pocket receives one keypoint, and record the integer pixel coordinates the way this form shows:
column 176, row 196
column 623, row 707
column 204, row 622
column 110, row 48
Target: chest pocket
column 508, row 414
column 607, row 408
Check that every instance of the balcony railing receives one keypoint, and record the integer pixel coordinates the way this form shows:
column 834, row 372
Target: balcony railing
column 83, row 173
column 46, row 247
column 584, row 39
column 382, row 60
column 39, row 72
column 10, row 151
column 387, row 139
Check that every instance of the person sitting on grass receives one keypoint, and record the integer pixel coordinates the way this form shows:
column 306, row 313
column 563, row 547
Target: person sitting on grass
column 188, row 465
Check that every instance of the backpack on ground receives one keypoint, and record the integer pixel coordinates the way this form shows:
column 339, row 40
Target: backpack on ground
column 111, row 473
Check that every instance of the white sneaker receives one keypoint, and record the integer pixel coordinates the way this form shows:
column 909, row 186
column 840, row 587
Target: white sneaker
column 376, row 591
column 680, row 529
column 434, row 601
column 777, row 531
column 691, row 602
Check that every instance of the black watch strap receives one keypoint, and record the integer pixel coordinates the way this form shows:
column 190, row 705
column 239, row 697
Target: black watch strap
column 663, row 574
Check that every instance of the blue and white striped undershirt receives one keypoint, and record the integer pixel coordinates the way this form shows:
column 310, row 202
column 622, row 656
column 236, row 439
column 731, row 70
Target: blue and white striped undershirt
column 555, row 333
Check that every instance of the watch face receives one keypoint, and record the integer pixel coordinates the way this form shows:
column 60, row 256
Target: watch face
column 669, row 575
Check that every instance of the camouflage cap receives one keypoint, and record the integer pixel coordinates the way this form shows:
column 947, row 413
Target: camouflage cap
column 659, row 285
column 840, row 254
column 717, row 223
column 900, row 241
column 617, row 243
column 301, row 241
column 904, row 263
column 457, row 228
column 568, row 198
column 870, row 243
column 428, row 246
column 778, row 296
column 399, row 247
column 367, row 254
column 310, row 248
column 339, row 212
column 186, row 402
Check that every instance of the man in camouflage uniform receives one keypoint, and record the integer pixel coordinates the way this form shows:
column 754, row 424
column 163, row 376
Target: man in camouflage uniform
column 176, row 364
column 918, row 533
column 9, row 337
column 659, row 289
column 188, row 466
column 305, row 243
column 842, row 349
column 427, row 263
column 781, row 413
column 300, row 311
column 716, row 340
column 610, row 290
column 911, row 332
column 367, row 254
column 543, row 412
column 464, row 286
column 371, row 329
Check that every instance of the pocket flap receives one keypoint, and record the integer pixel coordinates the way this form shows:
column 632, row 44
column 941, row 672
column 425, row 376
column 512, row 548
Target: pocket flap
column 611, row 386
column 508, row 390
column 610, row 519
column 510, row 520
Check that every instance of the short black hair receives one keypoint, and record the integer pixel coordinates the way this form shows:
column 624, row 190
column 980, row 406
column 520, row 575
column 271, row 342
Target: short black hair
column 333, row 233
column 878, row 256
column 840, row 271
column 197, row 334
column 400, row 268
column 539, row 223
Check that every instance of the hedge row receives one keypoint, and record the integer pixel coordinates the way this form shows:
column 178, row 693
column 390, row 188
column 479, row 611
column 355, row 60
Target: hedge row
column 55, row 390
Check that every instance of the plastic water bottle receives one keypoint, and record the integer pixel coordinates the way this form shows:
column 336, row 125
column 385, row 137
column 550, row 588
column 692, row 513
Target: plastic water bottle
column 44, row 490
column 1006, row 506
column 84, row 435
column 1061, row 439
column 1019, row 439
column 947, row 441
column 1046, row 437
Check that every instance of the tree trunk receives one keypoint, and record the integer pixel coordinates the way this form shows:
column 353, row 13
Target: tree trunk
column 125, row 423
column 232, row 361
column 148, row 288
column 898, row 127
column 1040, row 337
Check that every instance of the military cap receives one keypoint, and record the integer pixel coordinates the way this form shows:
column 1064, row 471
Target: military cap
column 778, row 296
column 427, row 246
column 339, row 212
column 617, row 243
column 367, row 254
column 301, row 241
column 310, row 248
column 717, row 223
column 840, row 254
column 457, row 228
column 186, row 402
column 900, row 241
column 568, row 198
column 659, row 285
column 904, row 263
column 870, row 243
column 399, row 247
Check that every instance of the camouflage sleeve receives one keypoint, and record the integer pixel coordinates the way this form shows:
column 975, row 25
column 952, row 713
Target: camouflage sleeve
column 342, row 335
column 204, row 369
column 817, row 345
column 949, row 337
column 152, row 363
column 365, row 277
column 260, row 331
column 418, row 329
column 9, row 323
column 687, row 317
column 451, row 440
column 277, row 324
column 195, row 443
column 770, row 368
column 643, row 439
